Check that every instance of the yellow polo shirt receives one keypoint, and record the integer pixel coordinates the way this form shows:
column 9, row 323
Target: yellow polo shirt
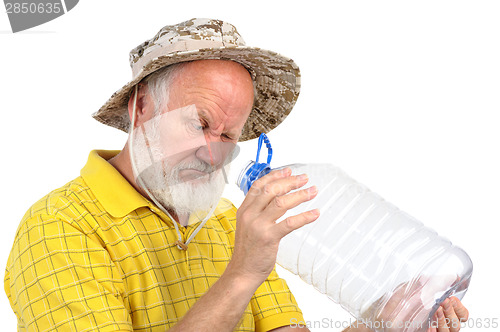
column 96, row 255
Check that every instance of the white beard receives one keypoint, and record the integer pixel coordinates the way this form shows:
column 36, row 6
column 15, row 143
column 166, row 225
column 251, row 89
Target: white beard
column 160, row 180
column 183, row 197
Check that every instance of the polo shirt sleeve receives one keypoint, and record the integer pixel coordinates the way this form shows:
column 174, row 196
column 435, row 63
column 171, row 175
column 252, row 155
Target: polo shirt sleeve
column 273, row 305
column 61, row 278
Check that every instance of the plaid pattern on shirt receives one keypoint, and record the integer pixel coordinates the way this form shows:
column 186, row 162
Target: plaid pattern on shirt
column 95, row 255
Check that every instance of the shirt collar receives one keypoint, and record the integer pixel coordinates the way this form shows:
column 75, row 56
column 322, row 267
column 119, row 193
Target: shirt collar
column 113, row 191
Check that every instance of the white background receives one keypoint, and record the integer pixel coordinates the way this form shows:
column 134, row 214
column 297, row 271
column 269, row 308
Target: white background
column 402, row 95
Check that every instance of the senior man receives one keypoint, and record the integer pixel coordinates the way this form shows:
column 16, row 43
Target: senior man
column 142, row 240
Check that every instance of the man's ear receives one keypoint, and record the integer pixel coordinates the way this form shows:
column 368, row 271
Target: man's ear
column 140, row 103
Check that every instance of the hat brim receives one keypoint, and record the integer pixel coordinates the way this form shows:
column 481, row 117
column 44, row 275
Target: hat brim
column 277, row 80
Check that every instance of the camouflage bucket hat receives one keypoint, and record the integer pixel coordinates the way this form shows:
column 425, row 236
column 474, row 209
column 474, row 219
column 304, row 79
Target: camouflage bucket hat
column 277, row 78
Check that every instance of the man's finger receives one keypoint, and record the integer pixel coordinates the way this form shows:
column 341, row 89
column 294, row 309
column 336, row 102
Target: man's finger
column 281, row 204
column 263, row 192
column 442, row 326
column 292, row 223
column 451, row 317
column 282, row 186
column 460, row 310
column 263, row 181
column 433, row 323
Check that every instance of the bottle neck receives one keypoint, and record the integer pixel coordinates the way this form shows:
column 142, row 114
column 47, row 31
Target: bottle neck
column 251, row 173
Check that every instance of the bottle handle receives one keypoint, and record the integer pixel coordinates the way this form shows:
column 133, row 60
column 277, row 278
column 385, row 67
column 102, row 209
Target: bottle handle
column 263, row 137
column 257, row 170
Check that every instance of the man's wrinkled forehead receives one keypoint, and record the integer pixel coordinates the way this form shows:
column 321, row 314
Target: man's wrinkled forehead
column 222, row 91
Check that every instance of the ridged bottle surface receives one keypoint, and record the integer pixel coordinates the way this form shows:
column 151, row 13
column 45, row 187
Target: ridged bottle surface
column 378, row 262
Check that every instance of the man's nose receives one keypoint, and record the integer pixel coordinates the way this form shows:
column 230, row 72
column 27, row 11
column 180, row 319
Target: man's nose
column 213, row 152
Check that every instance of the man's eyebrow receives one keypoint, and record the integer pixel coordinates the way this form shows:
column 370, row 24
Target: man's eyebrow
column 203, row 115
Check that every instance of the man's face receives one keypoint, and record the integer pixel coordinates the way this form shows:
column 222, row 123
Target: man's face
column 180, row 151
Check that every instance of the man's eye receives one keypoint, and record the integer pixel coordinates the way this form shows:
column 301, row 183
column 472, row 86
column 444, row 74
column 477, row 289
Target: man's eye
column 197, row 126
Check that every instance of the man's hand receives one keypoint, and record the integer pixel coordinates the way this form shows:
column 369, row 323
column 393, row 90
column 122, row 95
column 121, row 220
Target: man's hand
column 410, row 304
column 257, row 233
column 449, row 316
column 446, row 319
column 256, row 246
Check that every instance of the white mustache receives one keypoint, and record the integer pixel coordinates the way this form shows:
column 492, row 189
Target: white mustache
column 197, row 166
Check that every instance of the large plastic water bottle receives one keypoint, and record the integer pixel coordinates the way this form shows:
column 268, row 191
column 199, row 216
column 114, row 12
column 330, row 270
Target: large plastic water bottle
column 382, row 265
